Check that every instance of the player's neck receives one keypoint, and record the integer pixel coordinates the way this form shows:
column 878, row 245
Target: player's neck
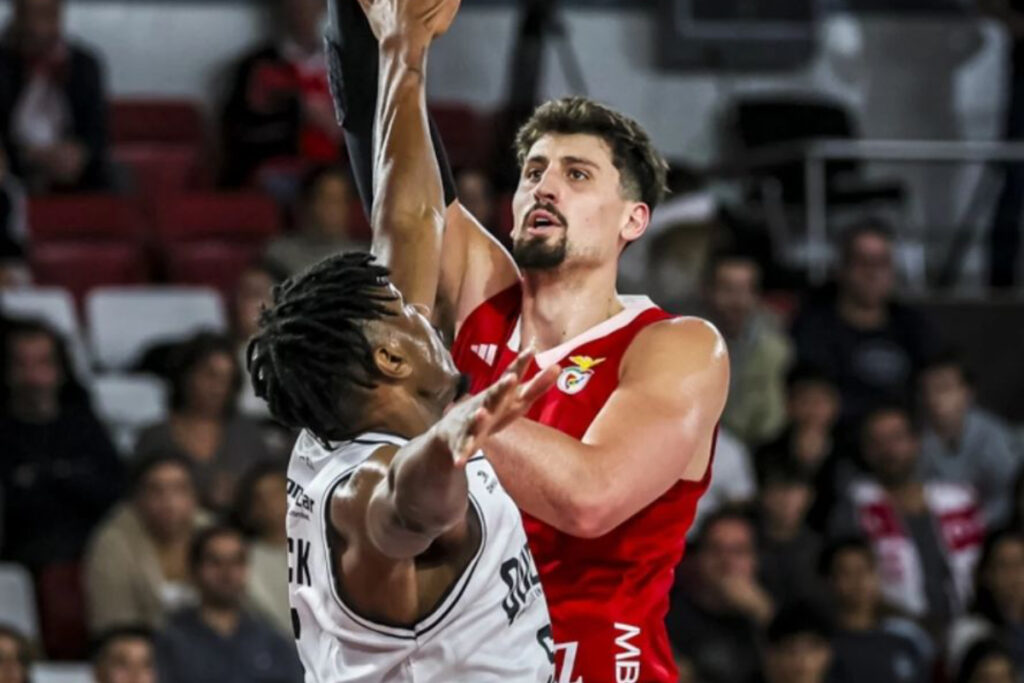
column 559, row 305
column 396, row 412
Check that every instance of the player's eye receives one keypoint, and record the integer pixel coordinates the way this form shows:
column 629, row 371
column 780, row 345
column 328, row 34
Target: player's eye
column 577, row 174
column 532, row 174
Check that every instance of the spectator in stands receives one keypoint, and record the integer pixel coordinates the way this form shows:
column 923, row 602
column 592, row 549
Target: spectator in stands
column 998, row 609
column 812, row 406
column 219, row 641
column 927, row 536
column 732, row 479
column 260, row 512
column 14, row 271
column 253, row 292
column 758, row 352
column 136, row 567
column 324, row 213
column 872, row 641
column 476, row 193
column 53, row 110
column 714, row 624
column 15, row 656
column 797, row 647
column 787, row 547
column 873, row 345
column 279, row 103
column 962, row 442
column 53, row 449
column 988, row 661
column 125, row 655
column 203, row 425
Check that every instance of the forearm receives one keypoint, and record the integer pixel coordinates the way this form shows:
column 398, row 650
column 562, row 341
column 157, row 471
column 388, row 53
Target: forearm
column 553, row 477
column 425, row 492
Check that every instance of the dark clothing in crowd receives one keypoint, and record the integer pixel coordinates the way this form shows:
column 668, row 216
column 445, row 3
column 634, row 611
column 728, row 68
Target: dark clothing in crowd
column 723, row 648
column 788, row 570
column 189, row 651
column 870, row 366
column 881, row 655
column 81, row 81
column 58, row 481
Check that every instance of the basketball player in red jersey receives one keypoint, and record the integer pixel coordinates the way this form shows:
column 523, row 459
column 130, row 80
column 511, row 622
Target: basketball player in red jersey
column 611, row 463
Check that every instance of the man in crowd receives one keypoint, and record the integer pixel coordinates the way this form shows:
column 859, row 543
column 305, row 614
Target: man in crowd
column 125, row 655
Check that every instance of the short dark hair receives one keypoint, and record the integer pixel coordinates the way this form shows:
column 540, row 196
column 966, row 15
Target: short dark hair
column 796, row 619
column 726, row 513
column 847, row 544
column 869, row 226
column 203, row 538
column 107, row 638
column 72, row 391
column 311, row 352
column 143, row 466
column 310, row 183
column 948, row 360
column 189, row 355
column 730, row 257
column 780, row 467
column 803, row 373
column 240, row 513
column 884, row 408
column 642, row 169
column 978, row 652
column 985, row 603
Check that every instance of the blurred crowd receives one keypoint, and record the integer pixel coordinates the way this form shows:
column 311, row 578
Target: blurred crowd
column 865, row 520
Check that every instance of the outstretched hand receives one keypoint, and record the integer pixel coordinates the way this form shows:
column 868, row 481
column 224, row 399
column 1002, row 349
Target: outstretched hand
column 468, row 425
column 424, row 19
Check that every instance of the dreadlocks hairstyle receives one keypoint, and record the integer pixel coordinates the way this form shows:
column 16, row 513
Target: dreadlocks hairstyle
column 311, row 350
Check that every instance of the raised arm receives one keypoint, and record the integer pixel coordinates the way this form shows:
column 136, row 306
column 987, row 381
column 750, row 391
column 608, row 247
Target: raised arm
column 657, row 427
column 469, row 264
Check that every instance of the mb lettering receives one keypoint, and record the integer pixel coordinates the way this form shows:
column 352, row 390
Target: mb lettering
column 627, row 659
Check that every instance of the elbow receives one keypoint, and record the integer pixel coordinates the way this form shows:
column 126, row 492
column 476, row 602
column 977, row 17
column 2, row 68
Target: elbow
column 590, row 516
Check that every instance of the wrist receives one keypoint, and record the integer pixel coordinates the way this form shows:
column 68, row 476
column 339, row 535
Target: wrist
column 409, row 48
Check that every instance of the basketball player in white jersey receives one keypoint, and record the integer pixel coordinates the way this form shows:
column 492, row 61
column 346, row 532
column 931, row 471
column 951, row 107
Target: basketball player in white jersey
column 407, row 559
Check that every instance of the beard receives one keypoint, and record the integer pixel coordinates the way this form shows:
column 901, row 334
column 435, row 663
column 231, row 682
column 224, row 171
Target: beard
column 534, row 253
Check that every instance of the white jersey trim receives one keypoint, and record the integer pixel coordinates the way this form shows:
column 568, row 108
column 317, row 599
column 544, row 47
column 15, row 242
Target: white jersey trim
column 451, row 597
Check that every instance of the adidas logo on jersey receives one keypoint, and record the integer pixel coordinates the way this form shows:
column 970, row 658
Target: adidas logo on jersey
column 486, row 352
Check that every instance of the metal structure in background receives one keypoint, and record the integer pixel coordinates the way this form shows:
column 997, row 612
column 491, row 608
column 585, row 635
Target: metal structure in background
column 815, row 154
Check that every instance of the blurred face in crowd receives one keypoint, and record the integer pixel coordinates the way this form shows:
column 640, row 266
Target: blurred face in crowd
column 38, row 24
column 1003, row 574
column 269, row 505
column 867, row 276
column 853, row 581
column 813, row 405
column 127, row 660
column 12, row 664
column 35, row 376
column 996, row 668
column 222, row 572
column 800, row 658
column 946, row 397
column 785, row 503
column 477, row 195
column 570, row 207
column 211, row 383
column 255, row 290
column 732, row 294
column 302, row 20
column 328, row 206
column 166, row 500
column 890, row 447
column 728, row 550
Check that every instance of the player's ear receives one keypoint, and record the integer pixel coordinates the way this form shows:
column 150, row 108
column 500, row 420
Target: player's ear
column 637, row 220
column 391, row 360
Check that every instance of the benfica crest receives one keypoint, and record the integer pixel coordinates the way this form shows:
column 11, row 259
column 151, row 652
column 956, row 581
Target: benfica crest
column 575, row 377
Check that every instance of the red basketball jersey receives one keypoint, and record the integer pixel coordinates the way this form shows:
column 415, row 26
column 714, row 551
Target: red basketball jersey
column 608, row 596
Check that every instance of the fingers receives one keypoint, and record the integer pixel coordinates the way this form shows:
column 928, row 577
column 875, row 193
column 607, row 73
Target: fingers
column 519, row 366
column 539, row 385
column 500, row 391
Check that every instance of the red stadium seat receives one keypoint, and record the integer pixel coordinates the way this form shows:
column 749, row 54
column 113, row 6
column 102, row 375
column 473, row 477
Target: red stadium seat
column 211, row 264
column 83, row 217
column 80, row 266
column 160, row 169
column 464, row 133
column 242, row 217
column 157, row 120
column 62, row 612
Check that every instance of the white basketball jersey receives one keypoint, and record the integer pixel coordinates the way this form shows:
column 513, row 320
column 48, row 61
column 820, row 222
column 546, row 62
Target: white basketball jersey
column 492, row 625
